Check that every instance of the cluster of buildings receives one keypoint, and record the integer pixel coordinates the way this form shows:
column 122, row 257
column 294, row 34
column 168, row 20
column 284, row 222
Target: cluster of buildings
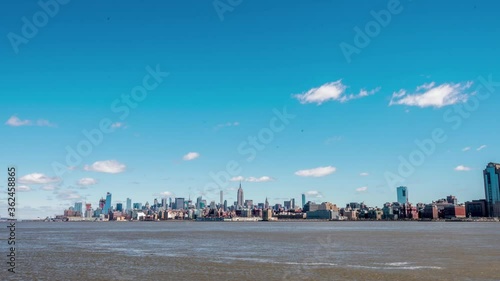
column 241, row 210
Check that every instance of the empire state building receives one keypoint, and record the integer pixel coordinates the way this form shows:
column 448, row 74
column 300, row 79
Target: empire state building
column 240, row 200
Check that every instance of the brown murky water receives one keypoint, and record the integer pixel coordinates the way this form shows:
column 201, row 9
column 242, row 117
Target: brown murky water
column 256, row 251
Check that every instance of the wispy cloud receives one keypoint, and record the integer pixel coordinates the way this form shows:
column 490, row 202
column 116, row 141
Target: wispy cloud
column 38, row 178
column 107, row 166
column 23, row 188
column 15, row 121
column 87, row 181
column 118, row 125
column 364, row 174
column 253, row 179
column 481, row 147
column 49, row 187
column 228, row 124
column 191, row 156
column 333, row 139
column 316, row 172
column 430, row 95
column 466, row 148
column 462, row 168
column 68, row 194
column 164, row 194
column 362, row 189
column 313, row 194
column 332, row 91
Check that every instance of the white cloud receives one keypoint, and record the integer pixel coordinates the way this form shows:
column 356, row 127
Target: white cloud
column 38, row 178
column 253, row 179
column 107, row 166
column 364, row 174
column 481, row 147
column 68, row 194
column 331, row 91
column 23, row 188
column 228, row 124
column 316, row 172
column 313, row 194
column 87, row 181
column 45, row 123
column 361, row 189
column 191, row 156
column 165, row 194
column 49, row 187
column 15, row 121
column 466, row 148
column 430, row 95
column 462, row 168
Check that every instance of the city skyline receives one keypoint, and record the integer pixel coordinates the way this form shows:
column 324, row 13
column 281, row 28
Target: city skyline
column 274, row 103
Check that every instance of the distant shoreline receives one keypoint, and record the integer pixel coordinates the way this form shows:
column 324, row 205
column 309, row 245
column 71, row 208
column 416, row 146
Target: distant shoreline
column 272, row 221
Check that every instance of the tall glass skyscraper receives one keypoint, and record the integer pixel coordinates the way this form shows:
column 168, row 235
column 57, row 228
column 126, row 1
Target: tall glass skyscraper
column 402, row 195
column 129, row 204
column 107, row 206
column 303, row 200
column 492, row 189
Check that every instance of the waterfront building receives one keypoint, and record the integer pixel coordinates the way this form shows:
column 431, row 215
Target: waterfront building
column 476, row 208
column 322, row 214
column 451, row 199
column 402, row 193
column 310, row 206
column 303, row 200
column 119, row 207
column 492, row 189
column 454, row 211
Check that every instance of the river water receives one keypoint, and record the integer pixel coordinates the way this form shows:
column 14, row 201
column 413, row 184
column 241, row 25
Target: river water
column 255, row 251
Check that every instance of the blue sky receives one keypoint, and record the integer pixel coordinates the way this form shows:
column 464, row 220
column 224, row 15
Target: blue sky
column 230, row 69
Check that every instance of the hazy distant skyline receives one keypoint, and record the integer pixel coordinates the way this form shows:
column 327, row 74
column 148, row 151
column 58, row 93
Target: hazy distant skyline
column 211, row 83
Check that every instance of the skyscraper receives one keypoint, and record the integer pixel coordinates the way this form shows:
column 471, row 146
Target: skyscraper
column 402, row 192
column 107, row 206
column 240, row 197
column 221, row 197
column 119, row 207
column 129, row 204
column 266, row 204
column 179, row 203
column 79, row 207
column 492, row 189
